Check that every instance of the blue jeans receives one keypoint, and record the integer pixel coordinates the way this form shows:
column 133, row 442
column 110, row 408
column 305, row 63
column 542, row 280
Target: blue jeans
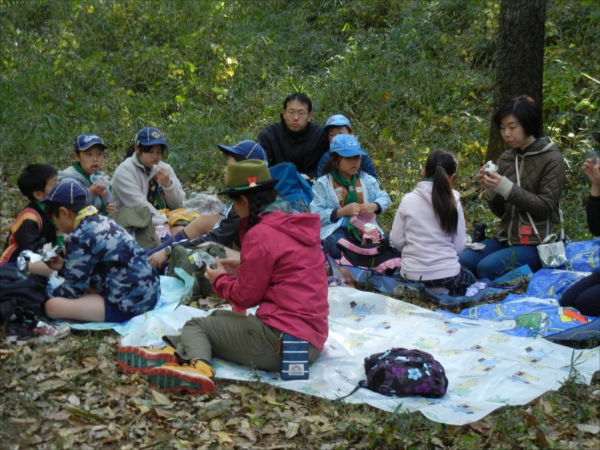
column 329, row 243
column 497, row 258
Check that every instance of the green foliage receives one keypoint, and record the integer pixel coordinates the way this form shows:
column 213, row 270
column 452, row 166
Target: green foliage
column 410, row 75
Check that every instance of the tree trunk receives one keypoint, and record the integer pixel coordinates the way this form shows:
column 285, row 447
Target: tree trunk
column 519, row 59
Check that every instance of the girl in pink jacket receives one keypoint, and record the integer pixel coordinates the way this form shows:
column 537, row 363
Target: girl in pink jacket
column 280, row 270
column 429, row 229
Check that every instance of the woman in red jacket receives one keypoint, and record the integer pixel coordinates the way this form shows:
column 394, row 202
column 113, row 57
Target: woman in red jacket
column 281, row 270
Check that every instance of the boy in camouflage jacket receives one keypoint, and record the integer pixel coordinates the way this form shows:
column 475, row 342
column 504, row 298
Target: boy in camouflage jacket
column 107, row 277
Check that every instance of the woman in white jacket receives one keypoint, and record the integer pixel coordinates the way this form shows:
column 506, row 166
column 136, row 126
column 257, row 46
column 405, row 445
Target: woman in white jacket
column 429, row 229
column 144, row 179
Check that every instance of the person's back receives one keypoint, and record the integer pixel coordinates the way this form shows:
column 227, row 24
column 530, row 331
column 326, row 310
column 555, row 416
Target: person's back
column 286, row 246
column 31, row 229
column 295, row 138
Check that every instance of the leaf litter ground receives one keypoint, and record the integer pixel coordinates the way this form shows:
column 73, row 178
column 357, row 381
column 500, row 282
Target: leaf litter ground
column 72, row 394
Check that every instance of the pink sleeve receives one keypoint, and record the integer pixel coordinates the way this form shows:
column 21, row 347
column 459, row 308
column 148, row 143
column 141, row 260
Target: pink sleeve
column 459, row 240
column 253, row 275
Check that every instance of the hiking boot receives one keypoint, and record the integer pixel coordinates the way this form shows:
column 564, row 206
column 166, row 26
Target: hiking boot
column 49, row 332
column 195, row 378
column 142, row 359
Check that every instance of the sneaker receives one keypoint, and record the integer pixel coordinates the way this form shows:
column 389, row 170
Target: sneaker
column 50, row 332
column 195, row 378
column 142, row 359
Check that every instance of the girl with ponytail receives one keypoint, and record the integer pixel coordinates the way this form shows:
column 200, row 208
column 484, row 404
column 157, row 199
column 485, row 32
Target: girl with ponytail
column 429, row 229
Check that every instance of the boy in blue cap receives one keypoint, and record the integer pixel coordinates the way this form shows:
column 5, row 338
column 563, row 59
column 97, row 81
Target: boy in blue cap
column 345, row 191
column 339, row 124
column 105, row 275
column 225, row 229
column 87, row 171
column 145, row 179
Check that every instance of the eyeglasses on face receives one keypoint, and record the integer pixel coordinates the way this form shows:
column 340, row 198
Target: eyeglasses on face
column 294, row 113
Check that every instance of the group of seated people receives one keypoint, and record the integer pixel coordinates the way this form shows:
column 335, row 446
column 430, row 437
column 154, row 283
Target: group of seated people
column 275, row 256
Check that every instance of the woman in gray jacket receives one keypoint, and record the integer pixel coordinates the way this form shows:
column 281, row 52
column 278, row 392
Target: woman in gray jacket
column 524, row 193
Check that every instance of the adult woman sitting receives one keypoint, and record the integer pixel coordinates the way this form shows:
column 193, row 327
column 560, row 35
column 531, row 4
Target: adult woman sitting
column 585, row 294
column 526, row 187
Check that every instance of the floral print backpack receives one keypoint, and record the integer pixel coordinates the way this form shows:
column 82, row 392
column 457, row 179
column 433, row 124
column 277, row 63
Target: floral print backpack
column 405, row 372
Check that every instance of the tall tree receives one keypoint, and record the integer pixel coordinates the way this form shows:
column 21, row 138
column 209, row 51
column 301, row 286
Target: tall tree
column 519, row 59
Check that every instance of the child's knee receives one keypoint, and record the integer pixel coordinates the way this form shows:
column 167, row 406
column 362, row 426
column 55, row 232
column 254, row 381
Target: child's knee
column 52, row 308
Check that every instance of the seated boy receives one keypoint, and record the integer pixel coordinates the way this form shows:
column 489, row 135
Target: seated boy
column 107, row 277
column 339, row 124
column 32, row 229
column 89, row 155
column 225, row 231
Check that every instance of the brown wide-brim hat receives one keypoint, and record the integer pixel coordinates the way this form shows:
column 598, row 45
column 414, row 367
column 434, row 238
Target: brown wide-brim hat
column 248, row 176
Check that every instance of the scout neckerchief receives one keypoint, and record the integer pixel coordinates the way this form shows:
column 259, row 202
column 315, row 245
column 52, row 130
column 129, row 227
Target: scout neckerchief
column 351, row 186
column 79, row 169
column 83, row 213
column 60, row 240
column 156, row 196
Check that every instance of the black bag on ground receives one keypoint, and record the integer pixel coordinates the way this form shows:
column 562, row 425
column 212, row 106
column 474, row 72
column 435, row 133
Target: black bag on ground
column 381, row 257
column 22, row 297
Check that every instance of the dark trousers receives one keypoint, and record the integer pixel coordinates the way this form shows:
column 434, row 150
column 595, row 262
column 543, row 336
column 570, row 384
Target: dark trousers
column 584, row 295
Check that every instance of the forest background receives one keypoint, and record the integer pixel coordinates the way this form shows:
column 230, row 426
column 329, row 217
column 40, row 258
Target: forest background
column 411, row 75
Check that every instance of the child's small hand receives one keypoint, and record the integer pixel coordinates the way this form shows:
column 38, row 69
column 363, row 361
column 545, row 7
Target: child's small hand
column 56, row 263
column 230, row 265
column 368, row 208
column 96, row 189
column 163, row 176
column 158, row 259
column 212, row 274
column 351, row 209
column 110, row 207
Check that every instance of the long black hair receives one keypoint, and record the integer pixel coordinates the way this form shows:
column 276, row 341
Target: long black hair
column 440, row 166
column 256, row 201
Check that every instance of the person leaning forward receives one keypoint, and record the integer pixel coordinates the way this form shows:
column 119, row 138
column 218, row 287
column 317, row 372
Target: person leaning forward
column 295, row 138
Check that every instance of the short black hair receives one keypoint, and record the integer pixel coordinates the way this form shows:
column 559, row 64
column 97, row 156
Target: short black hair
column 144, row 148
column 299, row 96
column 34, row 178
column 52, row 208
column 527, row 112
column 235, row 156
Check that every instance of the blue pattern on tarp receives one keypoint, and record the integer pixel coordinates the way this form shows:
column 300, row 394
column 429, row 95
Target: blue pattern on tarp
column 389, row 285
column 537, row 312
column 521, row 315
column 583, row 256
column 549, row 283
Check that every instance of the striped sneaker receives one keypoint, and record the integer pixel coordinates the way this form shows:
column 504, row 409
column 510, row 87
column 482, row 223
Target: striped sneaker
column 142, row 359
column 195, row 378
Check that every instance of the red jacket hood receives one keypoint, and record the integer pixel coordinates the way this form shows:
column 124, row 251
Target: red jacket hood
column 302, row 227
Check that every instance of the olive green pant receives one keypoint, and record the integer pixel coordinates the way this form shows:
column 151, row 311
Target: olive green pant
column 233, row 337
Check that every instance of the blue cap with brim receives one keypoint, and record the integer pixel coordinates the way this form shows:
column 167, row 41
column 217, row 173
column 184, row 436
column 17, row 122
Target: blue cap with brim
column 69, row 193
column 246, row 149
column 345, row 145
column 150, row 136
column 338, row 121
column 86, row 141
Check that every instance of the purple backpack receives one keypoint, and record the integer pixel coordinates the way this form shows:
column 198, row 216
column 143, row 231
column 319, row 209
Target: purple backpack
column 405, row 372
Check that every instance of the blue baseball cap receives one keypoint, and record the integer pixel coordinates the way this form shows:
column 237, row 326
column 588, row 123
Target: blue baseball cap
column 338, row 120
column 85, row 141
column 70, row 193
column 246, row 149
column 149, row 136
column 346, row 145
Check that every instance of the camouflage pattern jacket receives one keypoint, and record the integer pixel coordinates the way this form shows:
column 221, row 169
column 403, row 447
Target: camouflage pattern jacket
column 103, row 256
